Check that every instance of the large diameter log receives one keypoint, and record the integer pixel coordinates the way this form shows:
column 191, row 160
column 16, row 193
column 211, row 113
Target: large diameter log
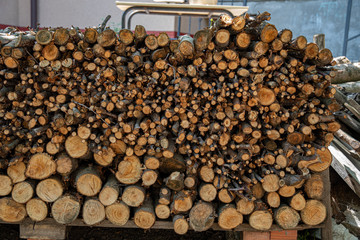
column 104, row 157
column 110, row 191
column 23, row 191
column 245, row 206
column 17, row 172
column 76, row 147
column 133, row 195
column 229, row 217
column 326, row 159
column 36, row 209
column 286, row 217
column 66, row 209
column 207, row 192
column 65, row 165
column 129, row 170
column 346, row 73
column 350, row 87
column 314, row 212
column 314, row 187
column 88, row 181
column 11, row 211
column 118, row 213
column 6, row 185
column 181, row 226
column 261, row 220
column 49, row 189
column 40, row 166
column 186, row 45
column 202, row 216
column 144, row 216
column 93, row 212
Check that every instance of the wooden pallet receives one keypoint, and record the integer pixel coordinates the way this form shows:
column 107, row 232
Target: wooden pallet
column 50, row 229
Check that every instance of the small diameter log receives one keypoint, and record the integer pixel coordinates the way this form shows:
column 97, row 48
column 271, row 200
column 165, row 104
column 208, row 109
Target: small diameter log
column 43, row 37
column 271, row 183
column 266, row 96
column 273, row 199
column 165, row 196
column 76, row 147
column 65, row 165
column 126, row 36
column 298, row 202
column 314, row 212
column 229, row 217
column 61, row 36
column 202, row 216
column 163, row 39
column 144, row 216
column 286, row 191
column 268, row 33
column 36, row 209
column 207, row 192
column 181, row 226
column 202, row 39
column 326, row 159
column 49, row 189
column 151, row 162
column 286, row 217
column 186, row 45
column 314, row 187
column 182, row 202
column 23, row 191
column 6, row 185
column 110, row 191
column 149, row 177
column 133, row 195
column 129, row 170
column 245, row 206
column 162, row 211
column 206, row 174
column 93, row 212
column 238, row 24
column 118, row 213
column 226, row 196
column 285, row 35
column 88, row 181
column 66, row 209
column 17, row 172
column 11, row 211
column 222, row 38
column 40, row 166
column 175, row 181
column 107, row 38
column 261, row 220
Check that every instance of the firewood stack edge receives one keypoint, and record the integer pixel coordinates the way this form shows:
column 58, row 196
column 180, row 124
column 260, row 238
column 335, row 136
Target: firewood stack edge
column 227, row 126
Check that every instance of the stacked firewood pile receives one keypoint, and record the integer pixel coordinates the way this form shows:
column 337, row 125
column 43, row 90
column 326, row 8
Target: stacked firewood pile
column 226, row 127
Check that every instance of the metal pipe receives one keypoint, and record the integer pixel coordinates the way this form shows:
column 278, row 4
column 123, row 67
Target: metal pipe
column 347, row 26
column 34, row 14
